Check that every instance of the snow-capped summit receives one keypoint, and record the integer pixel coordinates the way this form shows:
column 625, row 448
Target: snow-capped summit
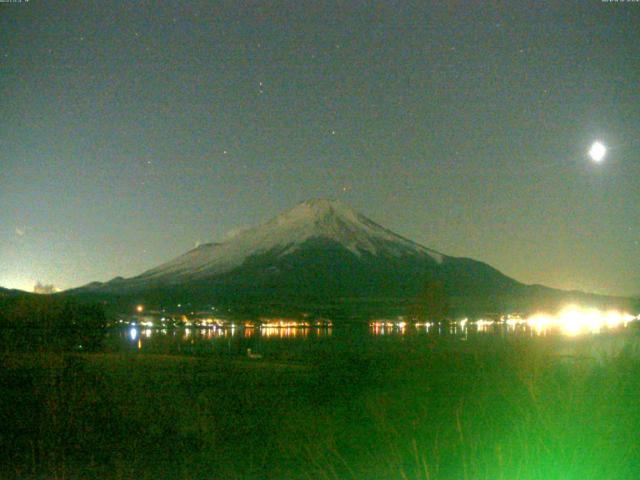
column 323, row 256
column 318, row 219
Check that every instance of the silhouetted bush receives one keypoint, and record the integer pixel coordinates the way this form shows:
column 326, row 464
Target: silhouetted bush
column 49, row 323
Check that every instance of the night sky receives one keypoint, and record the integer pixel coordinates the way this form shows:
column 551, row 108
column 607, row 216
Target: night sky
column 131, row 131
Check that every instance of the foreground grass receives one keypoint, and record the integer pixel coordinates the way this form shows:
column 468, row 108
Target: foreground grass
column 515, row 411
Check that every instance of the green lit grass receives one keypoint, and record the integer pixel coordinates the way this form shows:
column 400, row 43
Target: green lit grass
column 515, row 411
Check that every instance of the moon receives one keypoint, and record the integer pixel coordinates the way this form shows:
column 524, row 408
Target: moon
column 597, row 152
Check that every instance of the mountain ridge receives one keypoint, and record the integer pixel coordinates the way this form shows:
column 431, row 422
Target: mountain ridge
column 323, row 253
column 318, row 218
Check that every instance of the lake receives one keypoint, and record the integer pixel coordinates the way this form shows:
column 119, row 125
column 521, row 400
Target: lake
column 298, row 342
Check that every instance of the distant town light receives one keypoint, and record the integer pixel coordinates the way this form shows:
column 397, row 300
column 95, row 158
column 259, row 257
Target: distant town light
column 574, row 320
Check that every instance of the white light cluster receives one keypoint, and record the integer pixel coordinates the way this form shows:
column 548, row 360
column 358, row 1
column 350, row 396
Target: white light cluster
column 574, row 320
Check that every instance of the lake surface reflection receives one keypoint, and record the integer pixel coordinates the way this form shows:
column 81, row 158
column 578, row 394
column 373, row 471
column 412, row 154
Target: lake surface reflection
column 290, row 342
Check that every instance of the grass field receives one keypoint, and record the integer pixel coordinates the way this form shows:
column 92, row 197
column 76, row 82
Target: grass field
column 516, row 411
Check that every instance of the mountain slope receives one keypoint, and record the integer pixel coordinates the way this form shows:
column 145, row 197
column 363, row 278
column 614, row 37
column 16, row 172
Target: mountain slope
column 318, row 255
column 317, row 219
column 6, row 292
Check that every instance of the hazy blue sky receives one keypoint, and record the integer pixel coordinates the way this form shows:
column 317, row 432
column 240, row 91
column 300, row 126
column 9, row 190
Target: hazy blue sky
column 129, row 131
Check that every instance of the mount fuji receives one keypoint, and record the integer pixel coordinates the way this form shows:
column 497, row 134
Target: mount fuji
column 323, row 256
column 317, row 221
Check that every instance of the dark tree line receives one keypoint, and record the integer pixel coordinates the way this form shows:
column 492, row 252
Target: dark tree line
column 432, row 303
column 51, row 323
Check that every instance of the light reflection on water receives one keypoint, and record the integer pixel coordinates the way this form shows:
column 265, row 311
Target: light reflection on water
column 231, row 339
column 463, row 328
column 566, row 331
column 570, row 321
